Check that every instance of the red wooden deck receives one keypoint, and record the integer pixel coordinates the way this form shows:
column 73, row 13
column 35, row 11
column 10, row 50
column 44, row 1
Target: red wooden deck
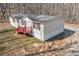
column 23, row 30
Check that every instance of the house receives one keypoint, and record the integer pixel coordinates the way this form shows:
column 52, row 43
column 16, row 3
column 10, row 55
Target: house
column 42, row 27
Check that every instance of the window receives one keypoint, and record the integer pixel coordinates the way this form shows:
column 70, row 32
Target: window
column 14, row 20
column 33, row 24
column 36, row 25
column 22, row 22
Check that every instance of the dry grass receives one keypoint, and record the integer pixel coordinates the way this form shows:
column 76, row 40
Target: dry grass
column 72, row 25
column 10, row 41
column 13, row 44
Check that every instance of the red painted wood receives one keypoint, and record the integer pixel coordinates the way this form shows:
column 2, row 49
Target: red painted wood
column 23, row 30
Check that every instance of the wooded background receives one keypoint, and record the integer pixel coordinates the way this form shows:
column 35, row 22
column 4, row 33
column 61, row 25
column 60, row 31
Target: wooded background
column 70, row 11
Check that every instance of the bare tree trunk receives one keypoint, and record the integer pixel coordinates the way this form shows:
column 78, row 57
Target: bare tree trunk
column 70, row 12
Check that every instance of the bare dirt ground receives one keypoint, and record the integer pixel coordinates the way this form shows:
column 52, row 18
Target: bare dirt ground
column 65, row 44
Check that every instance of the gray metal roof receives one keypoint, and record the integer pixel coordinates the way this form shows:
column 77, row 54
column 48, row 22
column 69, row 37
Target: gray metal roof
column 35, row 17
column 41, row 17
column 44, row 17
column 18, row 16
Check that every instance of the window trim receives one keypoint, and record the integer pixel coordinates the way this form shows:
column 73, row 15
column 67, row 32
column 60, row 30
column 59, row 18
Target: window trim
column 36, row 25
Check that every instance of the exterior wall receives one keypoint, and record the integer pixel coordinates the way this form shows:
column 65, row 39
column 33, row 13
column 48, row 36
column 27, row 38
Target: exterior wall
column 52, row 28
column 29, row 23
column 13, row 23
column 39, row 33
